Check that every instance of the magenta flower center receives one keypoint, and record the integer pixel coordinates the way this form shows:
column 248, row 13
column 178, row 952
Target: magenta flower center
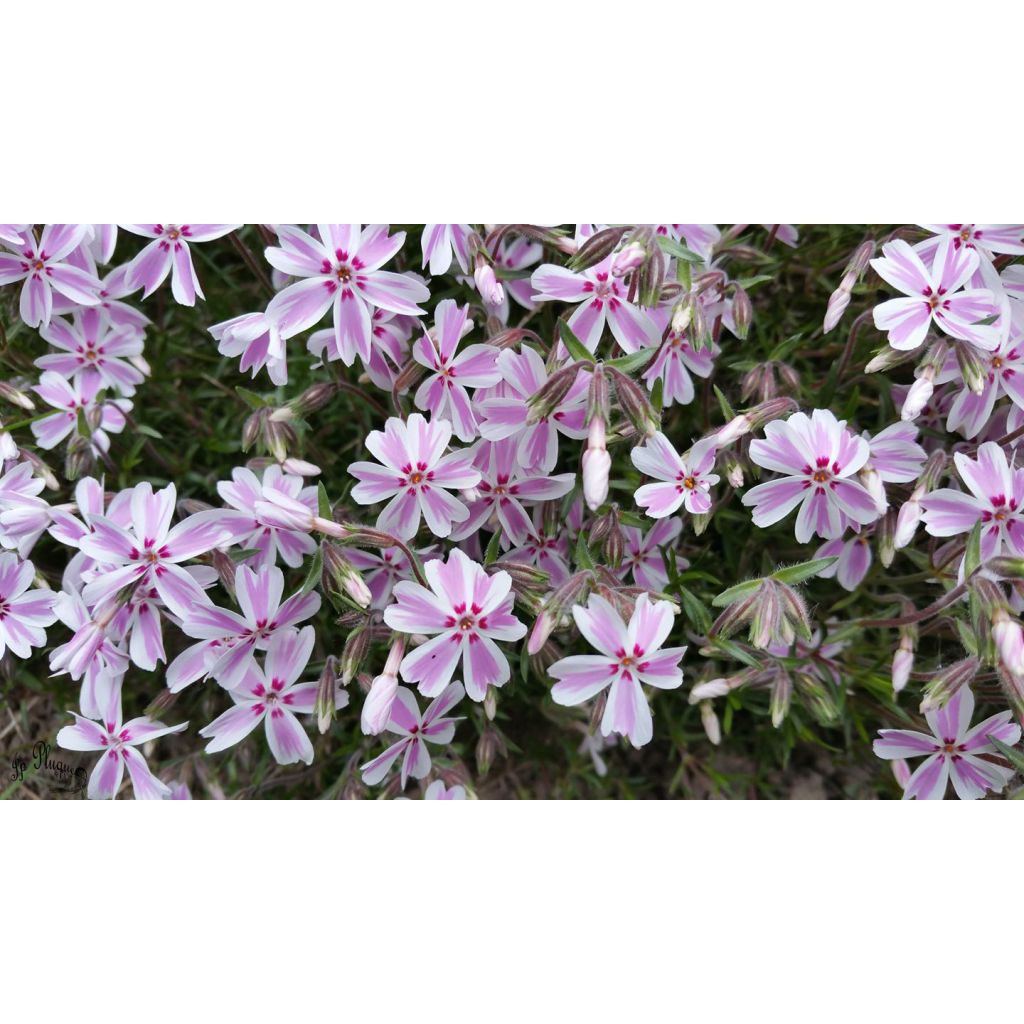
column 4, row 608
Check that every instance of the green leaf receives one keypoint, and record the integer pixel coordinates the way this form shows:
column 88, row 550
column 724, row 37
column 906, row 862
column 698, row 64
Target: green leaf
column 673, row 248
column 746, row 283
column 1015, row 757
column 141, row 428
column 493, row 549
column 250, row 398
column 323, row 502
column 694, row 609
column 576, row 347
column 315, row 572
column 794, row 574
column 727, row 410
column 584, row 559
column 733, row 650
column 736, row 593
column 634, row 361
column 972, row 557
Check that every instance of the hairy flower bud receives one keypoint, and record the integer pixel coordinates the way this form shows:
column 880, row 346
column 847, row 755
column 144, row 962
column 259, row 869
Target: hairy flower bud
column 885, row 538
column 742, row 312
column 357, row 645
column 635, row 404
column 544, row 402
column 781, row 696
column 376, row 711
column 341, row 577
column 1009, row 641
column 15, row 396
column 945, row 684
column 872, row 482
column 628, row 258
column 973, row 371
column 325, row 695
column 596, row 248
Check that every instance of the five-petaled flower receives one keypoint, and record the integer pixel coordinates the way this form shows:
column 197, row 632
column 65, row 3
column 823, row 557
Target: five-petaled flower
column 631, row 655
column 23, row 612
column 686, row 480
column 415, row 475
column 952, row 751
column 819, row 457
column 464, row 611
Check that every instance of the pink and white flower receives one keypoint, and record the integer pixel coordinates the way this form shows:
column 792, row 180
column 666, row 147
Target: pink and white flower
column 952, row 751
column 602, row 299
column 151, row 550
column 117, row 742
column 440, row 241
column 254, row 338
column 686, row 480
column 502, row 491
column 436, row 791
column 630, row 656
column 505, row 413
column 854, row 560
column 996, row 492
column 44, row 268
column 25, row 610
column 236, row 635
column 934, row 296
column 78, row 394
column 444, row 392
column 90, row 345
column 464, row 612
column 642, row 556
column 273, row 696
column 820, row 458
column 416, row 731
column 341, row 269
column 676, row 360
column 169, row 253
column 415, row 475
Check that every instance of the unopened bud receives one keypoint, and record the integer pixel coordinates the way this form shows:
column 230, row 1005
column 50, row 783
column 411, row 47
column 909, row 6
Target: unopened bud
column 781, row 696
column 635, row 404
column 377, row 707
column 885, row 538
column 628, row 258
column 1009, row 642
column 707, row 690
column 487, row 284
column 491, row 703
column 597, row 464
column 709, row 720
column 342, row 578
column 907, row 522
column 742, row 312
column 902, row 663
column 357, row 644
column 15, row 396
column 326, row 691
column 872, row 481
column 945, row 684
column 486, row 749
column 975, row 375
column 837, row 304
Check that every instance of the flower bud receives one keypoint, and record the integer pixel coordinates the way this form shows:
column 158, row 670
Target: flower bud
column 487, row 284
column 377, row 707
column 542, row 629
column 544, row 402
column 781, row 696
column 945, row 684
column 742, row 312
column 707, row 690
column 907, row 522
column 628, row 258
column 599, row 246
column 300, row 467
column 597, row 464
column 487, row 747
column 1009, row 642
column 491, row 703
column 902, row 663
column 885, row 538
column 15, row 396
column 837, row 303
column 872, row 481
column 357, row 644
column 709, row 720
column 635, row 404
column 341, row 577
column 326, row 695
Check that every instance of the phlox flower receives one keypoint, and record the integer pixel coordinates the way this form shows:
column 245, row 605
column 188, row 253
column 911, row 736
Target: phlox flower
column 602, row 299
column 24, row 612
column 686, row 480
column 698, row 238
column 546, row 547
column 101, row 241
column 90, row 345
column 118, row 742
column 985, row 238
column 437, row 791
column 935, row 295
column 952, row 751
column 514, row 254
column 444, row 392
column 69, row 528
column 502, row 490
column 257, row 341
column 820, row 458
column 630, row 655
column 464, row 611
column 996, row 492
column 150, row 550
column 119, row 315
column 169, row 253
column 273, row 696
column 505, row 414
column 249, row 531
column 239, row 635
column 341, row 269
column 415, row 475
column 13, row 235
column 676, row 360
column 415, row 732
column 382, row 571
column 854, row 560
column 895, row 454
column 642, row 557
column 71, row 396
column 389, row 346
column 44, row 268
column 440, row 242
column 23, row 514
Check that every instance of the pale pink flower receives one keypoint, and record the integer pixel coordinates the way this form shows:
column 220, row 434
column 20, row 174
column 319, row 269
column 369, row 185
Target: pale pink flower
column 381, row 572
column 44, row 268
column 546, row 547
column 630, row 656
column 686, row 480
column 463, row 612
column 502, row 491
column 119, row 315
column 436, row 791
column 415, row 732
column 169, row 253
column 251, row 533
column 642, row 556
column 820, row 458
column 676, row 360
column 389, row 346
column 444, row 392
column 996, row 492
column 515, row 254
column 934, row 296
column 90, row 345
column 854, row 560
column 952, row 751
column 14, row 235
column 254, row 338
column 151, row 550
column 117, row 742
column 505, row 413
column 78, row 394
column 236, row 635
column 415, row 475
column 24, row 612
column 341, row 269
column 985, row 238
column 23, row 515
column 273, row 696
column 440, row 241
column 602, row 299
